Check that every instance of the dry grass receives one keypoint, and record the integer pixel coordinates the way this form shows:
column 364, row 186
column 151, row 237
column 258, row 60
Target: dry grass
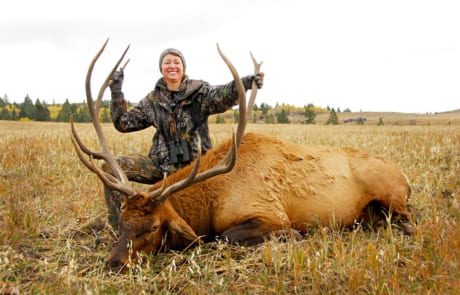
column 54, row 238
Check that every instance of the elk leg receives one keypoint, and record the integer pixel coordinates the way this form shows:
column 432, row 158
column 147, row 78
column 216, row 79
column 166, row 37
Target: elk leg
column 248, row 233
column 377, row 212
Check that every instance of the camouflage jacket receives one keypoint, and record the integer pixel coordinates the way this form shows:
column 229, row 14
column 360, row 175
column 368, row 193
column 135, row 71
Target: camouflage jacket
column 176, row 115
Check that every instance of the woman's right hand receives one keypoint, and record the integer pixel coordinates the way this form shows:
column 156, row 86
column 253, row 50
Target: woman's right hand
column 117, row 80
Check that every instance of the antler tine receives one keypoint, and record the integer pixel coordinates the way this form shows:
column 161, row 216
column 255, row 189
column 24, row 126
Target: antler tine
column 95, row 107
column 109, row 81
column 241, row 97
column 228, row 162
column 163, row 193
column 119, row 180
column 224, row 166
column 106, row 178
column 80, row 145
column 94, row 112
column 252, row 98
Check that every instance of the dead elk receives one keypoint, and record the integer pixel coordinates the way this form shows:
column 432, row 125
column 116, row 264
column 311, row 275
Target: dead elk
column 246, row 189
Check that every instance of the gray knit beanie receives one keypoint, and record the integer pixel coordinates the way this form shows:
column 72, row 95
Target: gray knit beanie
column 172, row 51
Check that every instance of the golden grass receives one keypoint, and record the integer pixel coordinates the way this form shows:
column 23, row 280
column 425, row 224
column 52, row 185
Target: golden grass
column 54, row 238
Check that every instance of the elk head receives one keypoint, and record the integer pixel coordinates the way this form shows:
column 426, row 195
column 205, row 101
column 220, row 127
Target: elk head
column 145, row 215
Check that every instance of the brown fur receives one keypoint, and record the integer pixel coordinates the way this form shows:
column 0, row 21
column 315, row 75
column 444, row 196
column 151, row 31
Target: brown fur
column 274, row 186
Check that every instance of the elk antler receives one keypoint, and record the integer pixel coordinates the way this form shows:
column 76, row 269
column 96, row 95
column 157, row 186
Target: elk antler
column 228, row 162
column 118, row 180
column 254, row 89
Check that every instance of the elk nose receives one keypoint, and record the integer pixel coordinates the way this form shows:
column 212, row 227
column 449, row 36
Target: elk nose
column 114, row 264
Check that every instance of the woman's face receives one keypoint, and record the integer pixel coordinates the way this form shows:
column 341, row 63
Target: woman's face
column 172, row 68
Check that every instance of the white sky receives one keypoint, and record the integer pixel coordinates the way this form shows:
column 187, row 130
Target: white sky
column 366, row 55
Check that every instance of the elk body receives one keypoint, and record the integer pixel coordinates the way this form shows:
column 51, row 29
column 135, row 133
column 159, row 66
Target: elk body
column 247, row 189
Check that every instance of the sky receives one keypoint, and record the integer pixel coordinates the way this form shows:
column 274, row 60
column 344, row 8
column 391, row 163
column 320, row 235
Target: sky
column 382, row 56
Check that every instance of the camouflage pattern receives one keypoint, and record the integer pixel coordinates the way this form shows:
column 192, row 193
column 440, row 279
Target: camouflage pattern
column 205, row 136
column 113, row 203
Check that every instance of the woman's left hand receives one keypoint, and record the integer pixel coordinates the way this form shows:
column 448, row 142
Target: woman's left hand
column 259, row 79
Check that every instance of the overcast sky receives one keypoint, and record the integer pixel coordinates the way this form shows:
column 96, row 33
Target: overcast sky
column 367, row 55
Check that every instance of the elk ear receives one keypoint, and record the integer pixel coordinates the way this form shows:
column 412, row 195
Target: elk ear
column 179, row 227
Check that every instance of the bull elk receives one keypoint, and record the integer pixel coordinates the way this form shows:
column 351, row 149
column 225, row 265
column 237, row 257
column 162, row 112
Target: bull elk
column 246, row 189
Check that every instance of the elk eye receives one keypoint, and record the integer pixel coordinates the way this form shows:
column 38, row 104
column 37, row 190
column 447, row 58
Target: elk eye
column 154, row 228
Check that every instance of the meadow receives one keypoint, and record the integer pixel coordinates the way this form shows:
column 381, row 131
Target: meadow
column 54, row 236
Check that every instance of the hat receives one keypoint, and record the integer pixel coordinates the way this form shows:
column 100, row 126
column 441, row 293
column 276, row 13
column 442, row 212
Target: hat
column 172, row 51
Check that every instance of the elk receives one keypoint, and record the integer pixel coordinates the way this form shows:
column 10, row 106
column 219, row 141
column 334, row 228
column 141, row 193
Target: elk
column 246, row 189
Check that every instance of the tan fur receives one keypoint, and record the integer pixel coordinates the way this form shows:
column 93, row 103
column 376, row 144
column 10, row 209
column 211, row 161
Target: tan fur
column 280, row 185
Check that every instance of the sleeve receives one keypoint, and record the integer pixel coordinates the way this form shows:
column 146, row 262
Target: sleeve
column 137, row 118
column 219, row 99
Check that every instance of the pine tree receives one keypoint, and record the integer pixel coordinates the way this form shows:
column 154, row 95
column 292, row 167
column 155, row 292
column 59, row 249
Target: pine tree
column 265, row 108
column 66, row 110
column 310, row 113
column 5, row 115
column 220, row 119
column 282, row 117
column 14, row 115
column 41, row 111
column 333, row 118
column 27, row 109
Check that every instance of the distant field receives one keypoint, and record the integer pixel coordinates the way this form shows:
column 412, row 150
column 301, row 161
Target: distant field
column 448, row 118
column 373, row 118
column 55, row 239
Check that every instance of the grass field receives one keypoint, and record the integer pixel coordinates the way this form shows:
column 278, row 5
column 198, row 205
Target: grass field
column 54, row 238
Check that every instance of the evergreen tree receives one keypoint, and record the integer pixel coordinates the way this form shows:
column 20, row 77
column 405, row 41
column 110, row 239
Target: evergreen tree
column 5, row 115
column 27, row 109
column 265, row 108
column 220, row 119
column 82, row 114
column 310, row 113
column 66, row 110
column 282, row 117
column 41, row 111
column 333, row 118
column 14, row 115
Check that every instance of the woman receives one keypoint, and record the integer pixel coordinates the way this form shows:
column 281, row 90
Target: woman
column 178, row 108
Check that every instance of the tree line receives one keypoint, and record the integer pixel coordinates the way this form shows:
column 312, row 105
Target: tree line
column 40, row 111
